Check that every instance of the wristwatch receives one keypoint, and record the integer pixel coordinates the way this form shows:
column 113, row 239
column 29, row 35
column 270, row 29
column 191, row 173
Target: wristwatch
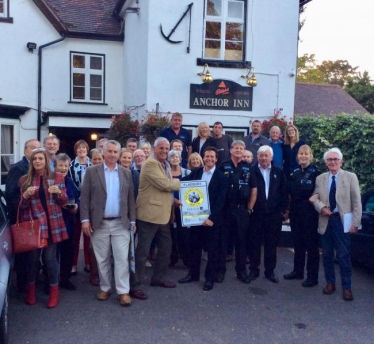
column 250, row 211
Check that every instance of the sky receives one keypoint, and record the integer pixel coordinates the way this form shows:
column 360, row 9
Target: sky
column 340, row 30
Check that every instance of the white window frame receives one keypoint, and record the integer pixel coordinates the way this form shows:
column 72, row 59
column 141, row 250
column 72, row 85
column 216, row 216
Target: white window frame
column 229, row 130
column 223, row 19
column 16, row 146
column 4, row 13
column 87, row 71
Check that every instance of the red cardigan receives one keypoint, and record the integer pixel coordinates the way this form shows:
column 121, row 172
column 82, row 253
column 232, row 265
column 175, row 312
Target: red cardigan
column 54, row 203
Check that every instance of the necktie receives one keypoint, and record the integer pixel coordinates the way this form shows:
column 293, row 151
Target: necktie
column 332, row 194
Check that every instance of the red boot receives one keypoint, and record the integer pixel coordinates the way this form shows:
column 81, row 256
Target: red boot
column 54, row 295
column 30, row 294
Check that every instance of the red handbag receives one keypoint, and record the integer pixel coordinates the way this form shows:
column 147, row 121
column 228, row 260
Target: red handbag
column 27, row 235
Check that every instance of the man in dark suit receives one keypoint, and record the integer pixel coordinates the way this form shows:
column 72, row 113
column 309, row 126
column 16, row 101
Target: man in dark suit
column 270, row 208
column 209, row 234
column 12, row 196
column 107, row 211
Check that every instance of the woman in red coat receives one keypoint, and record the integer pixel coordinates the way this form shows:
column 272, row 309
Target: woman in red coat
column 43, row 194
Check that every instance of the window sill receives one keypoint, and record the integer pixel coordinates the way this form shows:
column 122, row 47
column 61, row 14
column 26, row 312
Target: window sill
column 223, row 64
column 6, row 20
column 85, row 103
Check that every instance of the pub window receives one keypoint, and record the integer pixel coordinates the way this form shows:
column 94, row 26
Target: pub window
column 4, row 12
column 7, row 155
column 87, row 78
column 224, row 30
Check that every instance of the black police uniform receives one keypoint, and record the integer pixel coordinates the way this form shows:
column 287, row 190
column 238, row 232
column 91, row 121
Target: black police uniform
column 240, row 182
column 304, row 221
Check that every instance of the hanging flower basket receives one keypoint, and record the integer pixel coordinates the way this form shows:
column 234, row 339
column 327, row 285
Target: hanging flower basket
column 123, row 127
column 152, row 124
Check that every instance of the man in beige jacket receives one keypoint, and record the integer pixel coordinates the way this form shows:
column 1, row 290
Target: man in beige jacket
column 154, row 214
column 337, row 199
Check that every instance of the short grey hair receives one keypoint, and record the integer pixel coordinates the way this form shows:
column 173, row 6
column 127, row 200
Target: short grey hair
column 238, row 142
column 61, row 157
column 145, row 144
column 111, row 142
column 265, row 148
column 50, row 137
column 274, row 127
column 173, row 153
column 161, row 139
column 333, row 150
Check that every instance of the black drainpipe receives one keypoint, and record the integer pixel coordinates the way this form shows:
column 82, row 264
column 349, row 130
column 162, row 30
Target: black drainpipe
column 40, row 82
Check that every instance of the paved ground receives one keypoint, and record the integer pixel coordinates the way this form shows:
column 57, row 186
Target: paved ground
column 232, row 312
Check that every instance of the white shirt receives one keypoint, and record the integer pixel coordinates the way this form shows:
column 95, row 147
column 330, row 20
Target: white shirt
column 113, row 200
column 207, row 175
column 266, row 174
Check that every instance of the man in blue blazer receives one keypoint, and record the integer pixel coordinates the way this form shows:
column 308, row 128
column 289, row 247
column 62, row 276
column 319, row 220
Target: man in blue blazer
column 209, row 234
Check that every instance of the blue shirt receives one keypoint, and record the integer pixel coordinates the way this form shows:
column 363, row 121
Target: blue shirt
column 183, row 135
column 278, row 152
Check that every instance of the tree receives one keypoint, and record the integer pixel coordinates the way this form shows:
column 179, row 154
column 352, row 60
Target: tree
column 307, row 70
column 361, row 89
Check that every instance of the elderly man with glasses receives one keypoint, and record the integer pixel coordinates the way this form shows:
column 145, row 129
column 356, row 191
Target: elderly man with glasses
column 337, row 200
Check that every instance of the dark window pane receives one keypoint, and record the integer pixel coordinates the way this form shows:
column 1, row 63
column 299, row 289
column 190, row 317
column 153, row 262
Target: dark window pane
column 78, row 93
column 78, row 79
column 95, row 80
column 234, row 32
column 233, row 51
column 7, row 139
column 214, row 7
column 1, row 7
column 212, row 49
column 213, row 30
column 96, row 63
column 78, row 61
column 95, row 93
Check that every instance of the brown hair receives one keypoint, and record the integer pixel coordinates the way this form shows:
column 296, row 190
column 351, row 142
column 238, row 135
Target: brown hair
column 287, row 140
column 31, row 172
column 81, row 143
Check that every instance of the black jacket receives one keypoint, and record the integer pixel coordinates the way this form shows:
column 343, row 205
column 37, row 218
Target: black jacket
column 210, row 141
column 12, row 189
column 217, row 193
column 278, row 197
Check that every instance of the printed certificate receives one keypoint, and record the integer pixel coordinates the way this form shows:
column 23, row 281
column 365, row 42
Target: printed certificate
column 195, row 202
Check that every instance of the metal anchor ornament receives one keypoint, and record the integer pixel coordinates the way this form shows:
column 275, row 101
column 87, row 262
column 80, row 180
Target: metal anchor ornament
column 167, row 37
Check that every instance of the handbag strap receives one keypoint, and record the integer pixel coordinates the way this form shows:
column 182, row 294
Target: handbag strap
column 19, row 205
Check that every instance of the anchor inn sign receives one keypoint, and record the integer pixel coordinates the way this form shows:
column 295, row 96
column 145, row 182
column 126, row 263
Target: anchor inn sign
column 221, row 95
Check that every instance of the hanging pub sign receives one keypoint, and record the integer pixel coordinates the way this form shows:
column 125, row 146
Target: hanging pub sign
column 221, row 95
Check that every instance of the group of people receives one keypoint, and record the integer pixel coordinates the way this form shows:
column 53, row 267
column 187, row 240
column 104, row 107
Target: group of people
column 253, row 186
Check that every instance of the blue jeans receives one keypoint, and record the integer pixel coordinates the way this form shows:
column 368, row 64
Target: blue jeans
column 335, row 238
column 49, row 259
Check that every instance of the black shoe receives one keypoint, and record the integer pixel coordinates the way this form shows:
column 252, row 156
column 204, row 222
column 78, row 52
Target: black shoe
column 67, row 285
column 243, row 277
column 253, row 275
column 293, row 275
column 309, row 283
column 188, row 279
column 219, row 278
column 272, row 278
column 208, row 285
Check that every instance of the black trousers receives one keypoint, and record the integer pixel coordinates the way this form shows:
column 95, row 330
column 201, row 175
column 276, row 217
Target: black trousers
column 266, row 227
column 180, row 237
column 237, row 225
column 304, row 225
column 209, row 237
column 66, row 250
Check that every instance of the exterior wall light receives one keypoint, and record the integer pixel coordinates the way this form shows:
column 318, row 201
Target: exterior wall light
column 206, row 77
column 31, row 46
column 251, row 80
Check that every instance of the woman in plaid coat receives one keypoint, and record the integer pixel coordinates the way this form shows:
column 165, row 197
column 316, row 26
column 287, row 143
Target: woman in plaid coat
column 43, row 194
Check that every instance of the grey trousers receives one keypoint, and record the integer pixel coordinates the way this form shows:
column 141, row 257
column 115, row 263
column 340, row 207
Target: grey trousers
column 146, row 232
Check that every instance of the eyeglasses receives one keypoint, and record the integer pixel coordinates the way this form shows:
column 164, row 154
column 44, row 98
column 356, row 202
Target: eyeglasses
column 333, row 160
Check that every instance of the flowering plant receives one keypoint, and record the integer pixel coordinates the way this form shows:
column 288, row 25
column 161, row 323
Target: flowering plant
column 123, row 127
column 278, row 120
column 152, row 124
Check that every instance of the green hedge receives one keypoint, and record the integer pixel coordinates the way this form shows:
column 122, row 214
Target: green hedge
column 353, row 134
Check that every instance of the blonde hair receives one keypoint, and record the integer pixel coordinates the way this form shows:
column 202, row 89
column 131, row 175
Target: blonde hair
column 305, row 148
column 199, row 127
column 197, row 155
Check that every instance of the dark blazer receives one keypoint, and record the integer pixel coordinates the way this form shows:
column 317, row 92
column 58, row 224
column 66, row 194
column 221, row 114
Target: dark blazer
column 93, row 196
column 210, row 141
column 217, row 193
column 278, row 197
column 12, row 189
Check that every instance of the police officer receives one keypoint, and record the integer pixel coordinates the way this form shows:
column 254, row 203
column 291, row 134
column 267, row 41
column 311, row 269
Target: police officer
column 241, row 197
column 304, row 219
